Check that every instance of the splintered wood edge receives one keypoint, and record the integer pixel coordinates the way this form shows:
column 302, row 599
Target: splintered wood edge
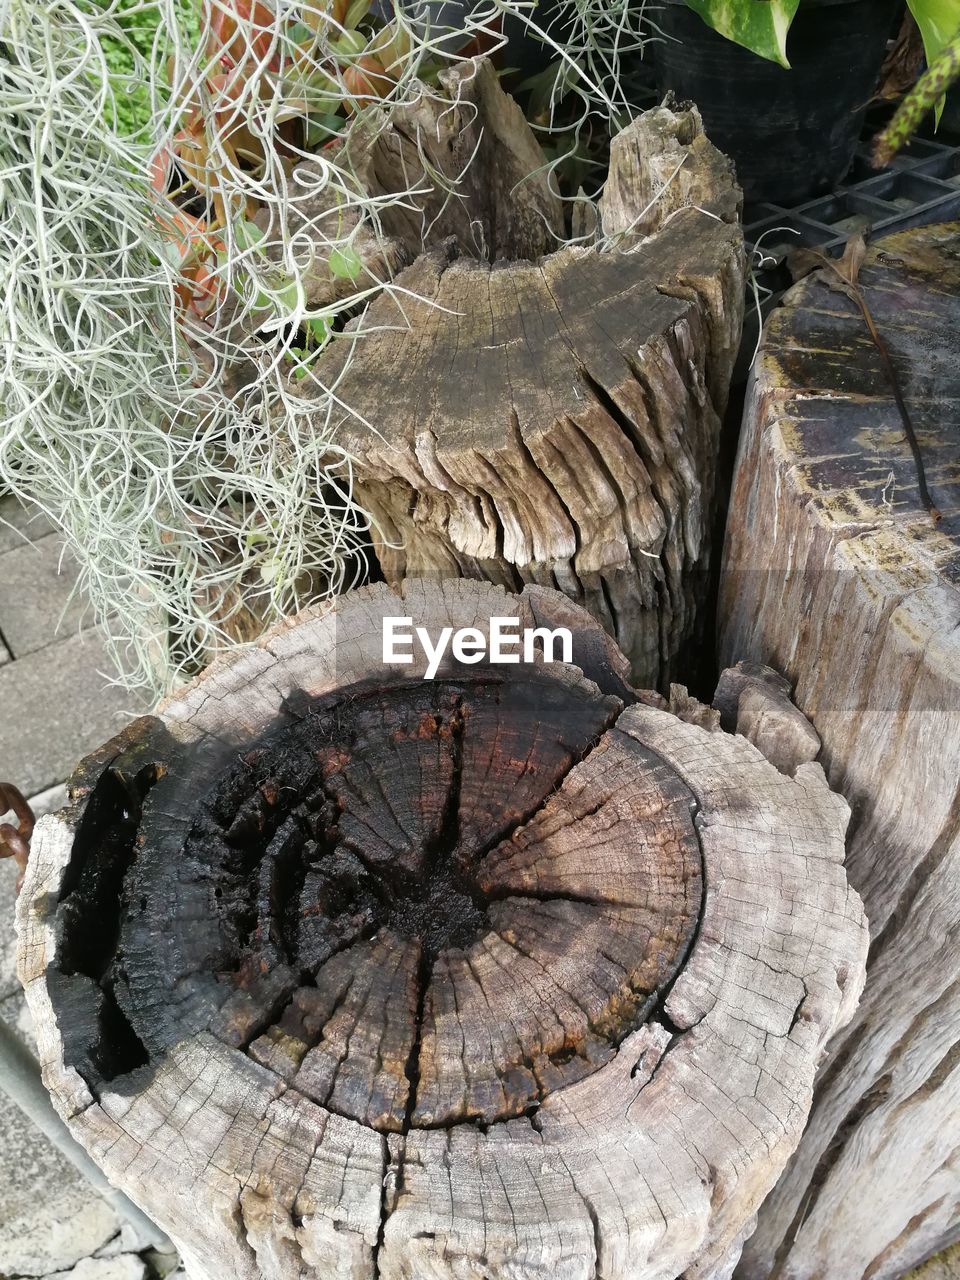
column 571, row 444
column 660, row 163
column 657, row 1159
column 567, row 406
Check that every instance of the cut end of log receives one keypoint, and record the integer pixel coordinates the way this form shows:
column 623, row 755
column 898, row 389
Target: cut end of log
column 361, row 892
column 344, row 972
column 835, row 573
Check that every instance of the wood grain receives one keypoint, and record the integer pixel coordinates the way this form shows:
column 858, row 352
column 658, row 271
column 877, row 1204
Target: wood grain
column 512, row 973
column 538, row 412
column 836, row 575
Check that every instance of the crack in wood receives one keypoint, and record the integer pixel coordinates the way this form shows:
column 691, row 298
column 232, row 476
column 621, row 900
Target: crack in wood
column 589, row 850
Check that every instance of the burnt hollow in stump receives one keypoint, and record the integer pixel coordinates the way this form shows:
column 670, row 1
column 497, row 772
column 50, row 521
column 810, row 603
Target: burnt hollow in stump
column 341, row 971
column 528, row 410
column 365, row 888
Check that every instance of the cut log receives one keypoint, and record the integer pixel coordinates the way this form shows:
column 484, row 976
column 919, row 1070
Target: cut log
column 836, row 574
column 527, row 416
column 343, row 972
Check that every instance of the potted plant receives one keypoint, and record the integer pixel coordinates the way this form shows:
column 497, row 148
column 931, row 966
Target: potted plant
column 783, row 85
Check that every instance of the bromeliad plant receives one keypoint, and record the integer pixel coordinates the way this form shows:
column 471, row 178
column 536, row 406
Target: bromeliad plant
column 270, row 86
column 763, row 25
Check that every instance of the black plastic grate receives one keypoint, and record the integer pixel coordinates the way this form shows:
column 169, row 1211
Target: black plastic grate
column 920, row 187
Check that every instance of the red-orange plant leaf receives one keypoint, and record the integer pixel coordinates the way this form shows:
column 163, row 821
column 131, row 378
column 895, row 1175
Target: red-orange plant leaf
column 364, row 81
column 243, row 33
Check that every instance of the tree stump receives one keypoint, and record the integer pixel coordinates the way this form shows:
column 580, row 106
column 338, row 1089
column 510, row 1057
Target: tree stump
column 536, row 412
column 837, row 575
column 342, row 972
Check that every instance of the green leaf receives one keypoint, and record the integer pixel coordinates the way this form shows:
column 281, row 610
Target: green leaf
column 939, row 22
column 322, row 127
column 760, row 25
column 356, row 13
column 349, row 44
column 300, row 33
column 246, row 234
column 287, row 298
column 345, row 263
column 319, row 328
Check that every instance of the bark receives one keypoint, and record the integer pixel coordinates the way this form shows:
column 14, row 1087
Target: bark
column 836, row 574
column 534, row 412
column 341, row 972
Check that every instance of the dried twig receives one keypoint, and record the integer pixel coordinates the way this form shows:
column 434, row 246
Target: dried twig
column 843, row 275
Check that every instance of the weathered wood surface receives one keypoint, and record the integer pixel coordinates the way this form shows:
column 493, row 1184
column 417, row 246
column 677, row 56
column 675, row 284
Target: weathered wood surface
column 531, row 412
column 458, row 161
column 945, row 1266
column 343, row 973
column 836, row 575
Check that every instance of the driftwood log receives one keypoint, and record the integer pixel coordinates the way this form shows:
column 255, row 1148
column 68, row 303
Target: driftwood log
column 836, row 574
column 342, row 973
column 537, row 412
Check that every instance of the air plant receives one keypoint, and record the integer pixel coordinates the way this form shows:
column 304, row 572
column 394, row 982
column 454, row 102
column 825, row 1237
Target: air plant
column 161, row 311
column 196, row 513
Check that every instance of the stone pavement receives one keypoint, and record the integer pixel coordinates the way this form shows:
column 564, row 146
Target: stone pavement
column 56, row 704
column 55, row 698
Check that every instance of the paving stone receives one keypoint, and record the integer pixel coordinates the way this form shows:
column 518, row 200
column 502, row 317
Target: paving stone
column 50, row 1218
column 8, row 941
column 128, row 1240
column 126, row 1266
column 37, row 601
column 57, row 706
column 20, row 523
column 14, row 1012
column 49, row 801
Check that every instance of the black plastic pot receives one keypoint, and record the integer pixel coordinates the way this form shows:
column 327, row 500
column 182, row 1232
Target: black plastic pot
column 791, row 134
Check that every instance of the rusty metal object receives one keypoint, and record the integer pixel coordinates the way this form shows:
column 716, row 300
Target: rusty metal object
column 15, row 840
